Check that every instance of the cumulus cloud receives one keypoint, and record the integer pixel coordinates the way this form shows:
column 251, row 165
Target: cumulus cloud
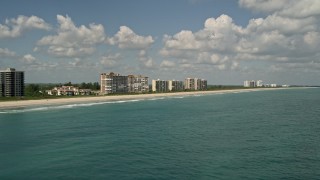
column 16, row 26
column 167, row 64
column 28, row 58
column 145, row 60
column 5, row 52
column 148, row 63
column 290, row 34
column 184, row 40
column 29, row 62
column 289, row 8
column 73, row 41
column 210, row 45
column 110, row 61
column 125, row 38
column 263, row 5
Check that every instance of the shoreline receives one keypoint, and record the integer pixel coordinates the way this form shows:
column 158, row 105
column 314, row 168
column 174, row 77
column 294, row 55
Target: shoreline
column 66, row 101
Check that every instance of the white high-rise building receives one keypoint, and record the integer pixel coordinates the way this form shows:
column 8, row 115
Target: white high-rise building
column 116, row 83
column 138, row 84
column 251, row 83
column 259, row 83
column 195, row 84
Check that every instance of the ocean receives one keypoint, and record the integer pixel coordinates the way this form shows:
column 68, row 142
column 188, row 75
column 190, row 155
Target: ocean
column 248, row 135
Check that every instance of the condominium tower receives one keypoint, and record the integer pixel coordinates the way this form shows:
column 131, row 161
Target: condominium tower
column 11, row 83
column 116, row 83
column 160, row 85
column 248, row 83
column 195, row 84
column 138, row 84
column 166, row 86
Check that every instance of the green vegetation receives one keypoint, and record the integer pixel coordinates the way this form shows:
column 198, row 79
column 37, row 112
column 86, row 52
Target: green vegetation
column 93, row 86
column 38, row 91
column 223, row 87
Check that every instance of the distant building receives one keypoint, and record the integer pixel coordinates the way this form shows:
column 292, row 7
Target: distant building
column 203, row 85
column 259, row 83
column 195, row 84
column 160, row 85
column 190, row 84
column 138, row 84
column 116, row 83
column 113, row 83
column 176, row 85
column 251, row 83
column 68, row 91
column 11, row 83
column 167, row 86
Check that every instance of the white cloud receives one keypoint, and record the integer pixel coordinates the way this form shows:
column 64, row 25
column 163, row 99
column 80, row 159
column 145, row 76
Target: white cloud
column 142, row 53
column 73, row 41
column 284, row 25
column 281, row 37
column 289, row 8
column 263, row 5
column 28, row 59
column 110, row 61
column 29, row 62
column 80, row 63
column 211, row 45
column 146, row 62
column 167, row 64
column 312, row 39
column 125, row 38
column 15, row 27
column 184, row 40
column 218, row 34
column 5, row 52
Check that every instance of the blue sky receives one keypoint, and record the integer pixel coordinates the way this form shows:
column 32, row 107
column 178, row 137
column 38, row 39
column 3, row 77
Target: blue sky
column 225, row 42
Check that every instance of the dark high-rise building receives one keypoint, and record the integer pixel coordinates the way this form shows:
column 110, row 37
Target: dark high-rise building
column 11, row 83
column 160, row 86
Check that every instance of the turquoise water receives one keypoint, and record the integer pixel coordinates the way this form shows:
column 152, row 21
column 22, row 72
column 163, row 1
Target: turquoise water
column 252, row 135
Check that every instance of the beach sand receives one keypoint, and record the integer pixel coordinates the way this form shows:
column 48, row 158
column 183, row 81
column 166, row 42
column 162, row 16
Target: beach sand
column 73, row 100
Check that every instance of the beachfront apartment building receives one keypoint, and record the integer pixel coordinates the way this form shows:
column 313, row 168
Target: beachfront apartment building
column 253, row 83
column 116, row 83
column 195, row 84
column 176, row 85
column 11, row 83
column 259, row 83
column 138, row 84
column 167, row 85
column 248, row 83
column 160, row 85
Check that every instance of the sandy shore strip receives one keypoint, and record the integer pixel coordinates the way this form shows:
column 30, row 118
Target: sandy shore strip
column 63, row 101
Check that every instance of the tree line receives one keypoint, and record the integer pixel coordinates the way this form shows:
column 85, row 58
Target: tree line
column 39, row 89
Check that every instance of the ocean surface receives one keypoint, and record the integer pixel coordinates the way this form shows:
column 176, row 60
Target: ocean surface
column 250, row 135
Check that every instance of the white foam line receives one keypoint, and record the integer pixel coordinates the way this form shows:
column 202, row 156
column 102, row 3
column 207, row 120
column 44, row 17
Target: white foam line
column 68, row 106
column 153, row 99
column 179, row 97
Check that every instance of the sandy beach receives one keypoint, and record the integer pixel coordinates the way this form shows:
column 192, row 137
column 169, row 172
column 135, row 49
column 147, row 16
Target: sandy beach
column 48, row 102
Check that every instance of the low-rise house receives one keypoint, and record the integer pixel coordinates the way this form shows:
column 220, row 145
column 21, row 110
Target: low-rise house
column 68, row 91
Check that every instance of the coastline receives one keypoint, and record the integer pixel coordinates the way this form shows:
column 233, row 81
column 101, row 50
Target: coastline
column 66, row 101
